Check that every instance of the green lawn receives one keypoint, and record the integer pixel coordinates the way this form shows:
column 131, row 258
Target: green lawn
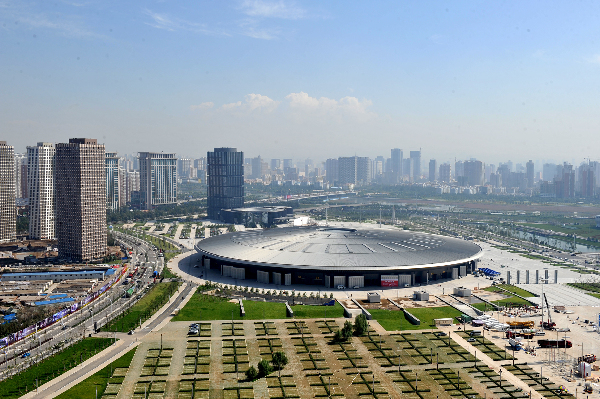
column 167, row 273
column 87, row 387
column 394, row 320
column 208, row 307
column 144, row 308
column 256, row 310
column 514, row 290
column 52, row 367
column 313, row 312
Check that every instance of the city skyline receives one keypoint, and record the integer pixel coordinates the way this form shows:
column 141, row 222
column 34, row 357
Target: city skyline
column 275, row 78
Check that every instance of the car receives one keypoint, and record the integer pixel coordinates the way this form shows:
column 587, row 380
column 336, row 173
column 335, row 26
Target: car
column 406, row 285
column 441, row 334
column 341, row 287
column 130, row 332
column 355, row 287
column 25, row 355
column 64, row 327
column 471, row 340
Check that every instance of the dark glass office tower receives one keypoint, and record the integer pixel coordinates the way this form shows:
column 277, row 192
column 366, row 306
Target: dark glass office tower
column 225, row 179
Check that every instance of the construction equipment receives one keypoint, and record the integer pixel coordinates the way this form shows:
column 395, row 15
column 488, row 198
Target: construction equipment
column 522, row 324
column 589, row 358
column 548, row 325
column 554, row 343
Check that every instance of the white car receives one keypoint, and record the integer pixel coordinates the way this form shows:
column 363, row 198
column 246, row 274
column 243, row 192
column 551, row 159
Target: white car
column 341, row 287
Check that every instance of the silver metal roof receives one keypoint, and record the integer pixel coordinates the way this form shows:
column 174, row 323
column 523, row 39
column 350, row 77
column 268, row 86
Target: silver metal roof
column 335, row 248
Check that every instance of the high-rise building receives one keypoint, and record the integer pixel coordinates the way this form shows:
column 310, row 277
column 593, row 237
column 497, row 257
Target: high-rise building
column 158, row 179
column 549, row 171
column 133, row 184
column 415, row 157
column 445, row 172
column 354, row 170
column 8, row 207
column 21, row 175
column 80, row 186
column 587, row 180
column 564, row 185
column 396, row 163
column 112, row 181
column 276, row 164
column 530, row 173
column 184, row 166
column 473, row 172
column 288, row 163
column 122, row 187
column 332, row 170
column 225, row 180
column 259, row 168
column 432, row 169
column 40, row 181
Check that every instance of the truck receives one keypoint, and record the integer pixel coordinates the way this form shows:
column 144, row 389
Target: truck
column 589, row 358
column 514, row 343
column 554, row 343
column 129, row 293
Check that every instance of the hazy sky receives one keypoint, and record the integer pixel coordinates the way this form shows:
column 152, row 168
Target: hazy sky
column 490, row 80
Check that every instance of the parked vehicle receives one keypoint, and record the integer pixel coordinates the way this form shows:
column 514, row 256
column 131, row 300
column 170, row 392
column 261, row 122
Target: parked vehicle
column 554, row 343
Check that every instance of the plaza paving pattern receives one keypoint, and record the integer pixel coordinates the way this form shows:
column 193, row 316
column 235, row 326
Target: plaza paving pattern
column 379, row 365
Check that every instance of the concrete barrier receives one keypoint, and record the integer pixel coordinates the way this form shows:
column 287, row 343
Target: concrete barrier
column 364, row 311
column 288, row 309
column 411, row 318
column 242, row 311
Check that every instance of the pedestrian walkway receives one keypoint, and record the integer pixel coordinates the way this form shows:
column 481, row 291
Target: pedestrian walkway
column 560, row 294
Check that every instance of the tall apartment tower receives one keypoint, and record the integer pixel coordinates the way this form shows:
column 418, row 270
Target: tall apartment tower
column 225, row 179
column 8, row 207
column 530, row 170
column 354, row 170
column 40, row 186
column 396, row 164
column 445, row 172
column 133, row 184
column 415, row 157
column 432, row 169
column 80, row 186
column 21, row 175
column 112, row 181
column 158, row 179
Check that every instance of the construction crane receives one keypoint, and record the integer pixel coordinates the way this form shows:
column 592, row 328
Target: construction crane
column 548, row 325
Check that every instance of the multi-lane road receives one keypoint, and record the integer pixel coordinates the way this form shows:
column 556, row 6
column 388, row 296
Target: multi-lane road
column 47, row 341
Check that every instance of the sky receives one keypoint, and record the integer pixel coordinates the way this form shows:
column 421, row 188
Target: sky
column 306, row 79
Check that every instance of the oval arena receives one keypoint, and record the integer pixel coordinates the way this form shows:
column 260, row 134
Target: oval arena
column 339, row 256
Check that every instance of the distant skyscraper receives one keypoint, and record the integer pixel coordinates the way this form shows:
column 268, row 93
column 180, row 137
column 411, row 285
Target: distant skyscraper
column 587, row 180
column 445, row 172
column 158, row 179
column 133, row 184
column 432, row 169
column 80, row 186
column 8, row 208
column 354, row 170
column 112, row 181
column 21, row 175
column 225, row 179
column 259, row 168
column 332, row 170
column 288, row 163
column 276, row 164
column 530, row 173
column 396, row 164
column 184, row 166
column 473, row 172
column 549, row 171
column 40, row 181
column 415, row 157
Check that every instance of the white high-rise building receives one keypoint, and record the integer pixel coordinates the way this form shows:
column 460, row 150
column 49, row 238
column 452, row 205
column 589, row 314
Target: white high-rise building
column 40, row 188
column 158, row 179
column 111, row 164
column 133, row 184
column 8, row 208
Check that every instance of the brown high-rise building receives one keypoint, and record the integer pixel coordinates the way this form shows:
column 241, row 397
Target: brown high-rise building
column 8, row 207
column 81, row 199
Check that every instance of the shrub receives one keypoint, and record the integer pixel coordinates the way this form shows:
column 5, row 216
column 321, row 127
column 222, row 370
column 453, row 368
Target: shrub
column 264, row 368
column 360, row 324
column 251, row 374
column 347, row 330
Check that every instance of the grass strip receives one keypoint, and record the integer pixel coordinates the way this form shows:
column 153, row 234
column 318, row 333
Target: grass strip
column 87, row 387
column 52, row 367
column 153, row 300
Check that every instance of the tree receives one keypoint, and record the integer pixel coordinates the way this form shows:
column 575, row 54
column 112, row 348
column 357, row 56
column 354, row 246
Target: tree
column 264, row 368
column 251, row 374
column 347, row 330
column 360, row 324
column 280, row 360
